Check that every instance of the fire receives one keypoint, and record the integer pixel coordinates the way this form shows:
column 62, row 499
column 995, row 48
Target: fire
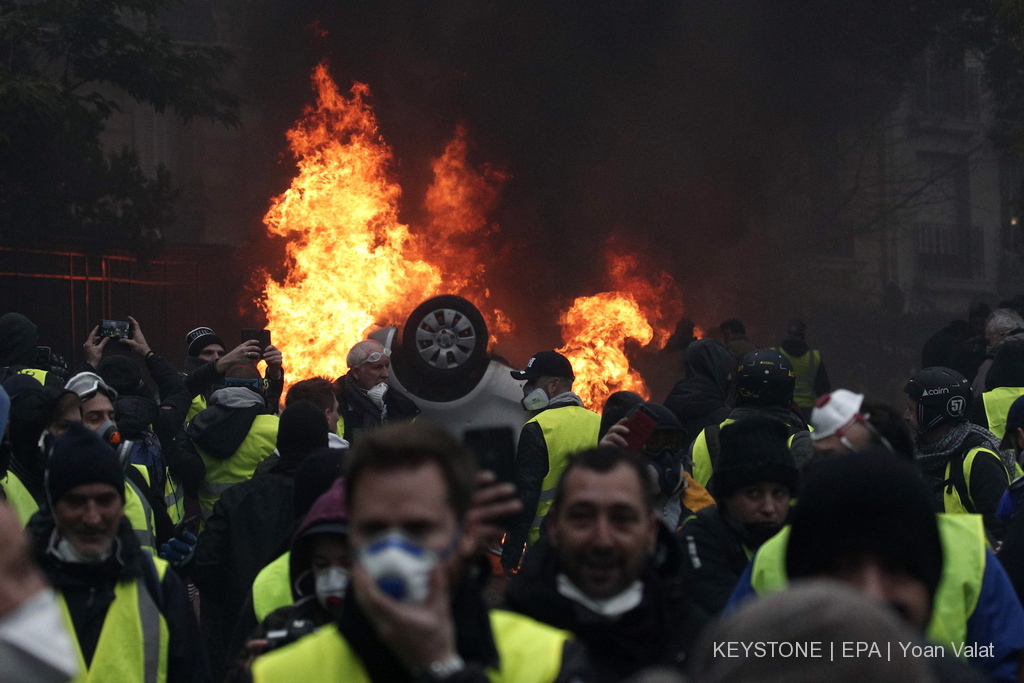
column 595, row 328
column 352, row 265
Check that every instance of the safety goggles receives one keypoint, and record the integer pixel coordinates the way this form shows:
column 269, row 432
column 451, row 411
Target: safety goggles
column 87, row 384
column 865, row 421
column 376, row 356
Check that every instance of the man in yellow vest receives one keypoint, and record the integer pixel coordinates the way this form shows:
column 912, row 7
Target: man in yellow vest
column 411, row 610
column 867, row 520
column 1004, row 384
column 128, row 614
column 811, row 378
column 559, row 428
column 960, row 460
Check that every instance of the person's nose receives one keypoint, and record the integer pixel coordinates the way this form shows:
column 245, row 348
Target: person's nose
column 870, row 581
column 92, row 513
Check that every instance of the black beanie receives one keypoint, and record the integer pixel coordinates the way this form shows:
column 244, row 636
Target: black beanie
column 199, row 338
column 302, row 429
column 318, row 471
column 865, row 502
column 754, row 450
column 80, row 457
column 123, row 375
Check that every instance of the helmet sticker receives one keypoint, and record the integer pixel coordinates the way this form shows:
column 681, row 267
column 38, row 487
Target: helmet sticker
column 955, row 406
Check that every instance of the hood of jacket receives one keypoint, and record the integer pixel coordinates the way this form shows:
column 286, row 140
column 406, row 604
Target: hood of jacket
column 329, row 515
column 711, row 360
column 220, row 429
column 19, row 338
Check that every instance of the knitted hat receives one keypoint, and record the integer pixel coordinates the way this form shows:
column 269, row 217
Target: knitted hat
column 80, row 457
column 833, row 412
column 1015, row 416
column 865, row 502
column 199, row 338
column 302, row 429
column 122, row 375
column 754, row 450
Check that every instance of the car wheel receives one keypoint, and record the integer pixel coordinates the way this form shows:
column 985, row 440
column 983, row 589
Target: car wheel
column 445, row 344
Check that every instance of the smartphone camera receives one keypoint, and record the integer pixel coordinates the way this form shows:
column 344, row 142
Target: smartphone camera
column 115, row 329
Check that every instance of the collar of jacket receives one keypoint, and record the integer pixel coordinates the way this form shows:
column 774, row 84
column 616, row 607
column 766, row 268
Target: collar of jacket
column 126, row 562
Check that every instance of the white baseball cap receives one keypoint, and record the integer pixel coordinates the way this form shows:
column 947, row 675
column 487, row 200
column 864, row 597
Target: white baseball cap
column 833, row 412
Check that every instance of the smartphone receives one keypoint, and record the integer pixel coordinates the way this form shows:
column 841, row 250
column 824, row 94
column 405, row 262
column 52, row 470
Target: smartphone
column 44, row 358
column 494, row 449
column 262, row 336
column 641, row 425
column 115, row 329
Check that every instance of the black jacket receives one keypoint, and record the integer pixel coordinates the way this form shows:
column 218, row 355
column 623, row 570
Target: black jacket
column 360, row 413
column 717, row 556
column 88, row 591
column 659, row 631
column 701, row 398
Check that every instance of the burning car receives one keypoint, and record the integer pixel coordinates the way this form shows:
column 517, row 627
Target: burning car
column 440, row 361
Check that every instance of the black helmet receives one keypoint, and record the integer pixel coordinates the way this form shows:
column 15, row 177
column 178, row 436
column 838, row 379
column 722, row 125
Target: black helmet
column 765, row 377
column 942, row 395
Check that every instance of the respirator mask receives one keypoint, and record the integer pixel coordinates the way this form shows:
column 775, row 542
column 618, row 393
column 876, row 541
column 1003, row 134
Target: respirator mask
column 331, row 584
column 534, row 399
column 377, row 393
column 400, row 565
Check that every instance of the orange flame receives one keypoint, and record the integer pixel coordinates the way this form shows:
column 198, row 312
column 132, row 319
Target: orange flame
column 352, row 265
column 595, row 328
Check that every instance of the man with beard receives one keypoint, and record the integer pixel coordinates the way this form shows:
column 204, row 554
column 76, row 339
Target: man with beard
column 754, row 484
column 608, row 570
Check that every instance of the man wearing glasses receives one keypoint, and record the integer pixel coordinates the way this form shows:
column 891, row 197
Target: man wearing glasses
column 365, row 400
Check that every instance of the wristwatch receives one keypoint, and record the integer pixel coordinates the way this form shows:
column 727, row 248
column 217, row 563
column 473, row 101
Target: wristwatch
column 441, row 670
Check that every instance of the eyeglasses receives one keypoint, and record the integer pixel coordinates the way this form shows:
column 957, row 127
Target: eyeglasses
column 87, row 384
column 376, row 356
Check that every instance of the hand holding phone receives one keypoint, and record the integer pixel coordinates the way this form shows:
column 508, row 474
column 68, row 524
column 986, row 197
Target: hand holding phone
column 262, row 337
column 114, row 329
column 641, row 425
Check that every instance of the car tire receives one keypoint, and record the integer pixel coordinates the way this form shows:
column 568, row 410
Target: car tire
column 444, row 344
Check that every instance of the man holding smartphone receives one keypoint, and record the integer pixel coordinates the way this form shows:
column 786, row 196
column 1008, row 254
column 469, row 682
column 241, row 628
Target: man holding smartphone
column 560, row 428
column 208, row 361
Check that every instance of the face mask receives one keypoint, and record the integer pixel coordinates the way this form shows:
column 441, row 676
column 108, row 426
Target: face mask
column 331, row 584
column 376, row 394
column 534, row 400
column 665, row 465
column 399, row 565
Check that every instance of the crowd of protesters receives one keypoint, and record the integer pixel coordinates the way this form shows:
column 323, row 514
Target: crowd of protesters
column 213, row 522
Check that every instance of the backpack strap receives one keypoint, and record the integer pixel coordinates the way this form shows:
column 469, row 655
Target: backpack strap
column 152, row 581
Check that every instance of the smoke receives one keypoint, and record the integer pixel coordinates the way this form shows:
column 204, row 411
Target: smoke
column 682, row 126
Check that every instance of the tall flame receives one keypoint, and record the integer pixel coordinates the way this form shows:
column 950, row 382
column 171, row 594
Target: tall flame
column 595, row 329
column 352, row 265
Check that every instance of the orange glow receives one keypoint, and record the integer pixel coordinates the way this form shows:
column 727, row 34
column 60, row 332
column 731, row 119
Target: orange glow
column 352, row 265
column 643, row 306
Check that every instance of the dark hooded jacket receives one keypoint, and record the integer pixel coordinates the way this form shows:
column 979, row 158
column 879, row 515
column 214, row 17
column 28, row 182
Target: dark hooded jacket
column 701, row 398
column 248, row 523
column 88, row 590
column 659, row 631
column 19, row 339
column 360, row 413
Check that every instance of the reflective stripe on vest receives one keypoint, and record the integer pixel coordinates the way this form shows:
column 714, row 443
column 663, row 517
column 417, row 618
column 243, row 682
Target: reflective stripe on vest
column 567, row 431
column 272, row 587
column 997, row 405
column 36, row 374
column 133, row 640
column 951, row 501
column 139, row 513
column 19, row 498
column 174, row 498
column 700, row 454
column 963, row 568
column 528, row 652
column 806, row 368
column 223, row 474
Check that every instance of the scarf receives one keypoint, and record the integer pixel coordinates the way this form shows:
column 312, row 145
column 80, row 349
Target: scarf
column 933, row 457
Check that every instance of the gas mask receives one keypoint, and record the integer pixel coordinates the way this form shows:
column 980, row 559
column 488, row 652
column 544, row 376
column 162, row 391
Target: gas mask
column 377, row 393
column 331, row 584
column 535, row 399
column 401, row 566
column 109, row 434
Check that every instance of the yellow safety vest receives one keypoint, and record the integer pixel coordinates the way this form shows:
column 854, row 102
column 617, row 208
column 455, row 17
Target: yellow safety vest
column 951, row 501
column 223, row 474
column 140, row 513
column 35, row 373
column 174, row 498
column 567, row 431
column 19, row 498
column 272, row 587
column 703, row 468
column 529, row 652
column 806, row 368
column 963, row 568
column 134, row 638
column 997, row 405
column 198, row 406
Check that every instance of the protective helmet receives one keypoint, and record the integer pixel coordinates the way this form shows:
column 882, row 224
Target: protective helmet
column 765, row 377
column 942, row 395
